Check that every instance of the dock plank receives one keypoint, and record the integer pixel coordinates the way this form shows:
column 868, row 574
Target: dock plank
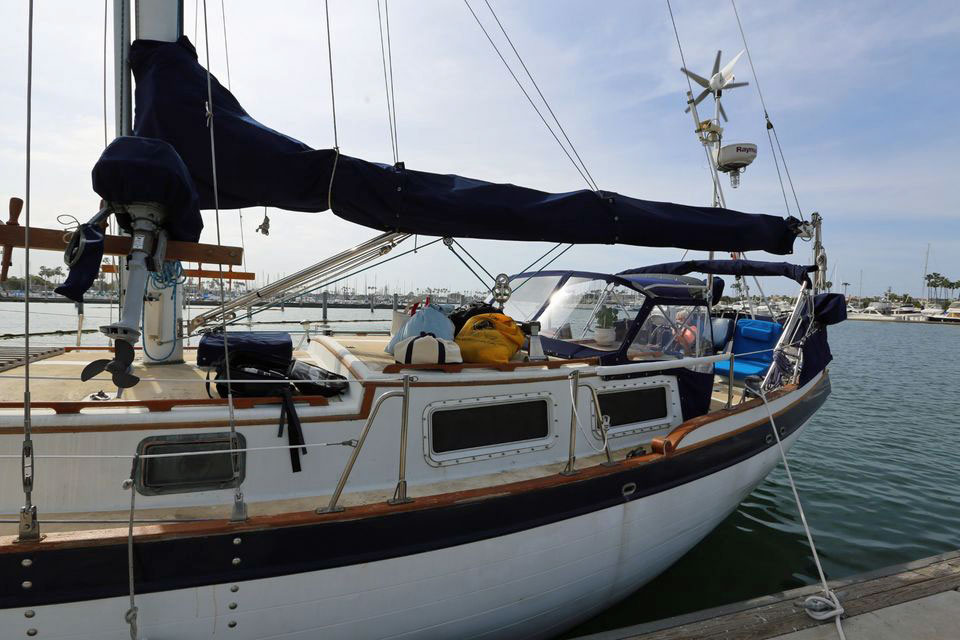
column 880, row 595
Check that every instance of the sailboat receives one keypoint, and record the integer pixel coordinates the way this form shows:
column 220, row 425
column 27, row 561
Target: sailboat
column 487, row 499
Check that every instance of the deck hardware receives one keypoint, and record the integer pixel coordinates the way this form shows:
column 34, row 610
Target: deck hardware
column 239, row 512
column 234, row 588
column 235, row 561
column 26, row 584
column 332, row 506
column 232, row 624
column 29, row 613
column 400, row 492
column 768, row 439
column 31, row 632
column 232, row 605
column 26, row 562
column 29, row 529
column 628, row 489
column 237, row 541
column 569, row 469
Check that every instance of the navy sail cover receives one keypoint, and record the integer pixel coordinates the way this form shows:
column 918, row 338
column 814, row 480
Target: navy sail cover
column 257, row 166
column 795, row 272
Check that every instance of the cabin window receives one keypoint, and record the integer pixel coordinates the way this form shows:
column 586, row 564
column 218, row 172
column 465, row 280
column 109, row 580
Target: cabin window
column 634, row 405
column 188, row 473
column 488, row 425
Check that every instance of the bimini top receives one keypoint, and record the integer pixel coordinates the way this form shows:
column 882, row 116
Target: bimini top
column 676, row 289
column 257, row 166
column 729, row 268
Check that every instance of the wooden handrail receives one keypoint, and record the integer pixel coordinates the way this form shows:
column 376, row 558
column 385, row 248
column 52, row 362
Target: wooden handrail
column 200, row 273
column 56, row 240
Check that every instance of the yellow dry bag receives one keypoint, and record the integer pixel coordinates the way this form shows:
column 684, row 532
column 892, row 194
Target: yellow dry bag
column 489, row 337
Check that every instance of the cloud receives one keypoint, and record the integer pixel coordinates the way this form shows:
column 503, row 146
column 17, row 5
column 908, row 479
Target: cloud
column 853, row 89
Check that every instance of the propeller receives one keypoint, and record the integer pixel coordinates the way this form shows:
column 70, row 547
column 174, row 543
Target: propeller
column 119, row 366
column 716, row 63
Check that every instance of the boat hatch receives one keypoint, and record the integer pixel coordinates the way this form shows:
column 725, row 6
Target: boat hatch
column 181, row 466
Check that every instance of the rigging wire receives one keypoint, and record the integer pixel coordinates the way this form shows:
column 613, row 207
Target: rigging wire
column 26, row 466
column 766, row 115
column 393, row 94
column 386, row 84
column 526, row 94
column 216, row 204
column 327, row 283
column 542, row 97
column 683, row 61
column 333, row 100
column 548, row 263
column 226, row 53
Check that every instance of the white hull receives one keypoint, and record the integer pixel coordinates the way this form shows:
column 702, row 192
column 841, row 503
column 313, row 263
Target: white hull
column 530, row 584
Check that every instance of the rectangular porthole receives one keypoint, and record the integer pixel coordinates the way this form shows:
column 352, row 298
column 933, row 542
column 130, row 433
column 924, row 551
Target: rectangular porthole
column 481, row 426
column 192, row 472
column 635, row 405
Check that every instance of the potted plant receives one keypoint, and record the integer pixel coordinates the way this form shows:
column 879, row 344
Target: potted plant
column 605, row 334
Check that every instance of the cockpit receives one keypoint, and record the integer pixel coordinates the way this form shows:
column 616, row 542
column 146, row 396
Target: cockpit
column 633, row 317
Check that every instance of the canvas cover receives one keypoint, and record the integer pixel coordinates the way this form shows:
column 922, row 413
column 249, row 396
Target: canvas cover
column 259, row 166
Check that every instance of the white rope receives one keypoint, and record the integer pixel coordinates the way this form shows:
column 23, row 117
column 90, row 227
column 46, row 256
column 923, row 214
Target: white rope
column 131, row 615
column 817, row 607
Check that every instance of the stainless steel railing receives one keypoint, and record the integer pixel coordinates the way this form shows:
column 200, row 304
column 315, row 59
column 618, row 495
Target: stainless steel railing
column 400, row 493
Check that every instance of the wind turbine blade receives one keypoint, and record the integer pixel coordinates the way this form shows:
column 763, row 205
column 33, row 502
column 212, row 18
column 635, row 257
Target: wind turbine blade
column 734, row 85
column 716, row 64
column 722, row 112
column 698, row 99
column 703, row 82
column 728, row 69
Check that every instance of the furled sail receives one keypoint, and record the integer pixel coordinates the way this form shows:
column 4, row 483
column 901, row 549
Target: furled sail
column 259, row 166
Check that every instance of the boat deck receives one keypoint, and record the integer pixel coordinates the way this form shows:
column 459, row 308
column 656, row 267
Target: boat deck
column 57, row 379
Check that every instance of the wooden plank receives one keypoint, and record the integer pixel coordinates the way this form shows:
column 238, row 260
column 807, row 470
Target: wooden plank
column 200, row 273
column 56, row 240
column 783, row 613
column 13, row 357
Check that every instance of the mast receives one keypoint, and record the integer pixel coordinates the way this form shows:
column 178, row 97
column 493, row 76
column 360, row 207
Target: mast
column 926, row 263
column 163, row 307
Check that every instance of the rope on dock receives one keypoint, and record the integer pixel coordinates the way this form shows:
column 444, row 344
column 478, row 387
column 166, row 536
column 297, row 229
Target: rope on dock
column 817, row 607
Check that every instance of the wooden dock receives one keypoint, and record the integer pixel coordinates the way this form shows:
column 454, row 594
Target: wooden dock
column 914, row 601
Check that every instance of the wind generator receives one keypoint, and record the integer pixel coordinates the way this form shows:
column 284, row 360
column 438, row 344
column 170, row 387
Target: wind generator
column 731, row 158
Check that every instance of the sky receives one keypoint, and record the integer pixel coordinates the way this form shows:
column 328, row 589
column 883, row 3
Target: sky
column 861, row 95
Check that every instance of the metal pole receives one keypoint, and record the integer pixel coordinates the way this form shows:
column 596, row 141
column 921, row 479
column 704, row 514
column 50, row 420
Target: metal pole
column 400, row 493
column 730, row 383
column 569, row 470
column 342, row 482
column 324, row 298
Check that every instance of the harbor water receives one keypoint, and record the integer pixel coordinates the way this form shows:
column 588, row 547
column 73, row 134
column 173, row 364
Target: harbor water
column 878, row 468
